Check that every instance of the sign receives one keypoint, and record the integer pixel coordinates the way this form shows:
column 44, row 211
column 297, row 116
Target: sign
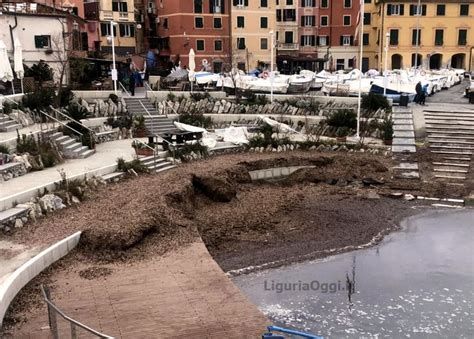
column 114, row 75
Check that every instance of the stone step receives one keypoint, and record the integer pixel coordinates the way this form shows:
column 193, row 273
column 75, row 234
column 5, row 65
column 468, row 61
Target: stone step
column 453, row 131
column 62, row 139
column 153, row 161
column 457, row 122
column 402, row 121
column 449, row 177
column 159, row 166
column 449, row 111
column 166, row 168
column 404, row 134
column 86, row 153
column 113, row 176
column 452, row 152
column 407, row 175
column 403, row 141
column 453, row 137
column 73, row 146
column 454, row 127
column 403, row 128
column 9, row 126
column 406, row 166
column 445, row 146
column 457, row 159
column 450, row 141
column 67, row 142
column 450, row 164
column 403, row 149
column 448, row 118
column 449, row 170
column 12, row 213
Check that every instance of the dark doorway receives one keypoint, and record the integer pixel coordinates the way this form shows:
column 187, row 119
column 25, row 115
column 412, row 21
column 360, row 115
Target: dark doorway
column 435, row 61
column 397, row 61
column 458, row 60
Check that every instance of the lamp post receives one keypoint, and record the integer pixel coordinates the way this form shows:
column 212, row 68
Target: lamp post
column 114, row 69
column 385, row 75
column 272, row 46
column 418, row 14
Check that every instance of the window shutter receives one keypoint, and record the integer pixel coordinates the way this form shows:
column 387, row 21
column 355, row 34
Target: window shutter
column 38, row 41
column 246, row 3
column 341, row 40
column 302, row 21
column 132, row 30
column 313, row 40
column 389, row 9
column 302, row 40
column 352, row 40
column 122, row 30
column 317, row 41
column 313, row 21
column 223, row 7
column 402, row 9
column 211, row 6
column 423, row 10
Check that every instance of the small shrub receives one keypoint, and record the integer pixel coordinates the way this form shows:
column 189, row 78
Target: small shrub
column 65, row 96
column 114, row 98
column 135, row 165
column 386, row 129
column 171, row 96
column 198, row 96
column 7, row 107
column 343, row 118
column 184, row 151
column 26, row 144
column 39, row 100
column 120, row 122
column 40, row 71
column 373, row 102
column 139, row 122
column 257, row 141
column 4, row 149
column 195, row 119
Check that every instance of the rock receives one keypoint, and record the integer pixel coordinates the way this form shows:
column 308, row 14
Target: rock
column 334, row 148
column 372, row 195
column 214, row 188
column 51, row 202
column 409, row 197
column 371, row 181
column 18, row 223
column 321, row 148
column 75, row 200
column 343, row 148
column 36, row 162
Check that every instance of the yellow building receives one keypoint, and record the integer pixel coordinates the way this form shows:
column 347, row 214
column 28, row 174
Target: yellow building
column 440, row 33
column 122, row 13
column 251, row 23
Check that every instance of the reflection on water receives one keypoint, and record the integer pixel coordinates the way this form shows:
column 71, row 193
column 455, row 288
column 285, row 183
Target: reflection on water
column 417, row 283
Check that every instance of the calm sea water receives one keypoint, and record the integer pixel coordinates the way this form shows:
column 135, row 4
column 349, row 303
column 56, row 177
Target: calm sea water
column 417, row 283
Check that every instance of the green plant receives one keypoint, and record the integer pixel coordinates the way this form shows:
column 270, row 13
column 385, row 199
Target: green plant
column 41, row 72
column 171, row 96
column 65, row 96
column 38, row 147
column 198, row 96
column 7, row 107
column 4, row 149
column 374, row 101
column 257, row 141
column 195, row 119
column 183, row 151
column 135, row 165
column 114, row 98
column 39, row 100
column 342, row 132
column 120, row 122
column 267, row 132
column 139, row 122
column 26, row 144
column 77, row 112
column 343, row 118
column 386, row 129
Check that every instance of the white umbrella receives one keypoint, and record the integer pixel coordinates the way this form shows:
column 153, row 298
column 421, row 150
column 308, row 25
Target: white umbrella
column 192, row 66
column 6, row 73
column 18, row 62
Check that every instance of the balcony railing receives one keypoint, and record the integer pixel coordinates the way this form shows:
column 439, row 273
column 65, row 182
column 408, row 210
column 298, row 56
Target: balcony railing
column 288, row 46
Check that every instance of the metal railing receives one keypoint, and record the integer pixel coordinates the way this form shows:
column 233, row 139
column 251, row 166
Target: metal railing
column 147, row 111
column 124, row 89
column 155, row 97
column 53, row 311
column 61, row 123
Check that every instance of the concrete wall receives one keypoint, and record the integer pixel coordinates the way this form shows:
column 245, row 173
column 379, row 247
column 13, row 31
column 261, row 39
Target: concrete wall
column 162, row 95
column 91, row 95
column 276, row 172
column 25, row 273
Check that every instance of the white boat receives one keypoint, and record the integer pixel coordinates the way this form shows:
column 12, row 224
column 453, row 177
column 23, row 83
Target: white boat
column 300, row 83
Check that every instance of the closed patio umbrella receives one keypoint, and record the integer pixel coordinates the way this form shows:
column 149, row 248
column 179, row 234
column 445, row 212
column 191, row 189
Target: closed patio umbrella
column 18, row 62
column 6, row 73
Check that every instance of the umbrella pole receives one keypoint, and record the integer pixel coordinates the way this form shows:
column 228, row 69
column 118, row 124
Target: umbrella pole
column 22, row 90
column 13, row 87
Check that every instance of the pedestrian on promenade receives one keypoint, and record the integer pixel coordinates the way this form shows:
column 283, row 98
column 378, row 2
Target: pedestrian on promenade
column 131, row 84
column 419, row 91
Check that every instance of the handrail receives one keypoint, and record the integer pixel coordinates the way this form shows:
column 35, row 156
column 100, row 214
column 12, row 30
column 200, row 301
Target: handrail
column 124, row 89
column 141, row 103
column 7, row 98
column 62, row 123
column 154, row 96
column 141, row 142
column 69, row 118
column 53, row 325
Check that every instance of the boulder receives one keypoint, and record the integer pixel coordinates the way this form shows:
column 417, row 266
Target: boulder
column 51, row 202
column 214, row 188
column 35, row 162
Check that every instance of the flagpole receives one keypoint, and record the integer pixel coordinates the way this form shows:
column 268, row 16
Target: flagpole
column 361, row 40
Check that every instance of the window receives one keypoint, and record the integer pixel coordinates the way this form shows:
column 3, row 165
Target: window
column 216, row 6
column 367, row 18
column 322, row 40
column 441, row 10
column 324, row 3
column 308, row 40
column 367, row 1
column 289, row 2
column 365, row 39
column 395, row 9
column 347, row 3
column 43, row 41
column 415, row 10
column 199, row 22
column 462, row 37
column 289, row 15
column 263, row 3
column 200, row 45
column 439, row 34
column 350, row 62
column 240, row 43
column 197, row 6
column 346, row 40
column 240, row 22
column 308, row 3
column 347, row 20
column 394, row 37
column 241, row 66
column 127, row 30
column 119, row 7
column 324, row 20
column 464, row 10
column 416, row 37
column 241, row 3
column 263, row 43
column 340, row 64
column 105, row 29
column 217, row 22
column 218, row 45
column 263, row 22
column 288, row 37
column 308, row 20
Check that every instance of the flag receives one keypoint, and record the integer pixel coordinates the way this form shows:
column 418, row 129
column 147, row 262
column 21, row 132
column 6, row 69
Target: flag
column 360, row 19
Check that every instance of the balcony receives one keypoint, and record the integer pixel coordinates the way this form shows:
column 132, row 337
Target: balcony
column 288, row 46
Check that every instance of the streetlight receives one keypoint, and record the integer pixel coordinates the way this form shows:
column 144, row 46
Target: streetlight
column 385, row 79
column 418, row 14
column 114, row 69
column 272, row 46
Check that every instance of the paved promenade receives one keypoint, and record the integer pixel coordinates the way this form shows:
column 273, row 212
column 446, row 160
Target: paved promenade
column 106, row 155
column 183, row 294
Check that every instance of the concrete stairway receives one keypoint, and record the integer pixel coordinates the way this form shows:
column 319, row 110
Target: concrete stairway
column 70, row 148
column 451, row 141
column 404, row 144
column 8, row 125
column 157, row 164
column 155, row 123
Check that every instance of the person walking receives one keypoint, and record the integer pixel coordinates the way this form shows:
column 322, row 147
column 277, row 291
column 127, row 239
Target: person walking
column 419, row 92
column 424, row 93
column 131, row 84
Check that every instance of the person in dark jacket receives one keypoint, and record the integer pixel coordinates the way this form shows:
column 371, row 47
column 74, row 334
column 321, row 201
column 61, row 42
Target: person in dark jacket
column 131, row 84
column 419, row 92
